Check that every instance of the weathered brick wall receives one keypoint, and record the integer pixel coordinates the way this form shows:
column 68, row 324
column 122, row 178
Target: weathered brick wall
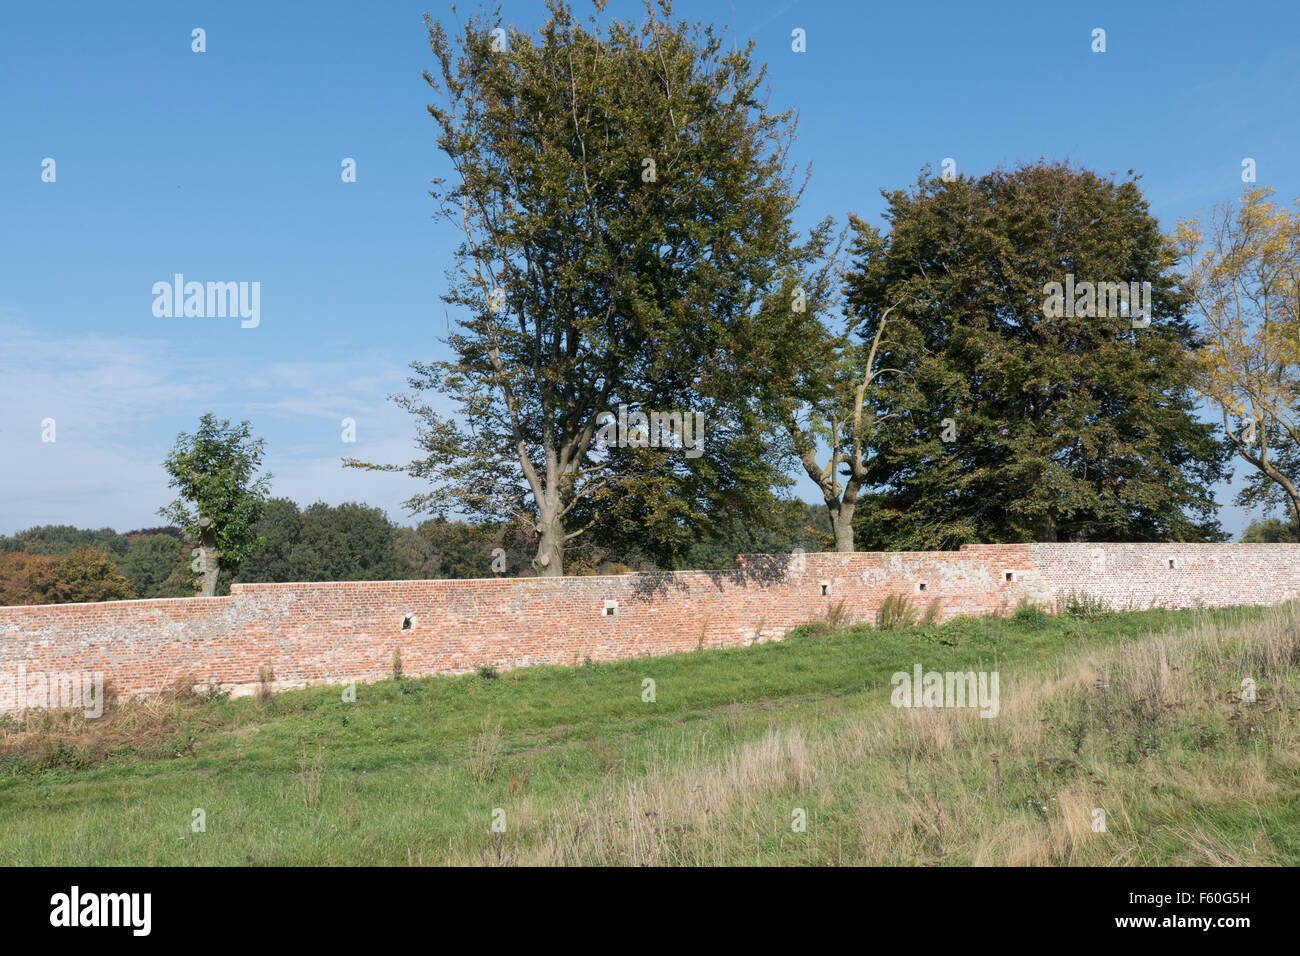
column 331, row 632
column 1171, row 575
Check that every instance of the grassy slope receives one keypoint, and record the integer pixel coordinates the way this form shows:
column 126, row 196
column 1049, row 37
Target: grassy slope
column 715, row 769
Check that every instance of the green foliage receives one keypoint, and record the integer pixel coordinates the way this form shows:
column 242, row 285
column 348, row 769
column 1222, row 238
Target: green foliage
column 280, row 532
column 836, row 618
column 146, row 559
column 1066, row 428
column 1083, row 604
column 1030, row 615
column 661, row 291
column 181, row 582
column 57, row 540
column 213, row 472
column 170, row 530
column 150, row 562
column 896, row 613
column 353, row 542
column 348, row 542
column 1271, row 531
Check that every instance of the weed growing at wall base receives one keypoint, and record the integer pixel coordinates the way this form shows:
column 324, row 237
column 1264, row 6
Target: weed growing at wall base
column 896, row 612
column 1083, row 604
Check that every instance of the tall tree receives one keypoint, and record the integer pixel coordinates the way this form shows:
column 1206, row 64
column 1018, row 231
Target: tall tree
column 1021, row 416
column 348, row 542
column 626, row 203
column 825, row 378
column 213, row 471
column 1244, row 281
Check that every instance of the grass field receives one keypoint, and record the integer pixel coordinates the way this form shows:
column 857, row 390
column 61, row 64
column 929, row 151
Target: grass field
column 1137, row 715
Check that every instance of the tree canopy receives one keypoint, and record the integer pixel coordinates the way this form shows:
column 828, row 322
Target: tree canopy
column 1016, row 420
column 1243, row 277
column 82, row 574
column 213, row 471
column 625, row 202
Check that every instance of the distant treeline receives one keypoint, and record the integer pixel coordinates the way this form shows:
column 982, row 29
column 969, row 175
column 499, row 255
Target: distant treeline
column 53, row 564
column 1271, row 531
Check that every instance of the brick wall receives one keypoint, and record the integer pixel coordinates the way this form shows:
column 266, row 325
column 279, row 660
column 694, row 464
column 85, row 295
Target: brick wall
column 1171, row 575
column 332, row 632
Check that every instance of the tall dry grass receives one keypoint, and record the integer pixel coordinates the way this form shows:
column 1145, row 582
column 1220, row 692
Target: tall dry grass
column 1153, row 733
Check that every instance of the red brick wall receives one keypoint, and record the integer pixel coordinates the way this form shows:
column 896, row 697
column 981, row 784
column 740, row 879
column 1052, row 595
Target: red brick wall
column 331, row 632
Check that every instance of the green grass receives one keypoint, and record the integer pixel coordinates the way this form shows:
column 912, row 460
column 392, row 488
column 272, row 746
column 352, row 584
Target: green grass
column 736, row 744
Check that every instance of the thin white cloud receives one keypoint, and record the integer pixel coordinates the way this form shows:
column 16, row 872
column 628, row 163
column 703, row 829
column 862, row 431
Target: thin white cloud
column 118, row 402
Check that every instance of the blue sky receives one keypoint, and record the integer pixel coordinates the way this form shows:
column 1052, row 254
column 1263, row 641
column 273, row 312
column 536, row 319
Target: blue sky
column 225, row 165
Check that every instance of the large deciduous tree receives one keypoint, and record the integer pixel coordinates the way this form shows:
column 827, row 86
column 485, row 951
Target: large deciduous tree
column 1244, row 280
column 1022, row 417
column 625, row 202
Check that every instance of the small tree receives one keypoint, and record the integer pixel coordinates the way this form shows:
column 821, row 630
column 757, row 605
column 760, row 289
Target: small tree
column 827, row 394
column 1245, row 285
column 213, row 471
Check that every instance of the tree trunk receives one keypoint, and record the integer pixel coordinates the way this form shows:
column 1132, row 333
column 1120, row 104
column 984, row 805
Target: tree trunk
column 211, row 557
column 1049, row 529
column 549, row 561
column 842, row 524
